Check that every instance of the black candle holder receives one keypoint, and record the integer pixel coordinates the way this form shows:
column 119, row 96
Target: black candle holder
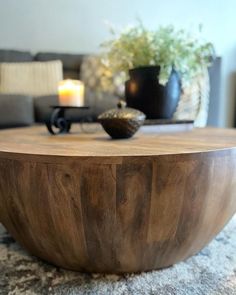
column 58, row 123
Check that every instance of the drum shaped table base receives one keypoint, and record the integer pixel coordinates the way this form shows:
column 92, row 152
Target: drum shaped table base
column 87, row 203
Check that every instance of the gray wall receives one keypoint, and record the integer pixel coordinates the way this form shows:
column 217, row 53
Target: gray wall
column 79, row 26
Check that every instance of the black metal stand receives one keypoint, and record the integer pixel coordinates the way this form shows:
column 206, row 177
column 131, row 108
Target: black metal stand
column 57, row 122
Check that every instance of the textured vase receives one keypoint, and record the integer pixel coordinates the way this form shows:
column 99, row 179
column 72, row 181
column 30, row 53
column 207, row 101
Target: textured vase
column 144, row 92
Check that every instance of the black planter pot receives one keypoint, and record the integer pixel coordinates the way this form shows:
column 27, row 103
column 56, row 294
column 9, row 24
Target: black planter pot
column 143, row 92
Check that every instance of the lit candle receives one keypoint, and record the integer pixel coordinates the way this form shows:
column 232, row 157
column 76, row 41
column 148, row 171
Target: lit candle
column 71, row 93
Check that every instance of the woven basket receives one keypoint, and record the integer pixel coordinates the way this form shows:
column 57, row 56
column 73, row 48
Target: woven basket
column 194, row 101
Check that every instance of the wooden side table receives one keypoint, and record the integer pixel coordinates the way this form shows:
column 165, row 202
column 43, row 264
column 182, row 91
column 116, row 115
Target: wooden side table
column 88, row 203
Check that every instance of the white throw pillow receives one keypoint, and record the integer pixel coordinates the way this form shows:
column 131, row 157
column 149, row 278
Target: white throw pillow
column 30, row 78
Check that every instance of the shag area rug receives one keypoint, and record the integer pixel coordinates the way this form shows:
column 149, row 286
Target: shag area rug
column 210, row 272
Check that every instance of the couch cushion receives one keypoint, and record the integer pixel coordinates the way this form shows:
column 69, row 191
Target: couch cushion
column 34, row 78
column 43, row 111
column 42, row 108
column 16, row 111
column 71, row 62
column 97, row 106
column 15, row 56
column 99, row 101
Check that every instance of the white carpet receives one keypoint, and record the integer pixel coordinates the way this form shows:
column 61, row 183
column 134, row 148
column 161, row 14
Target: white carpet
column 211, row 272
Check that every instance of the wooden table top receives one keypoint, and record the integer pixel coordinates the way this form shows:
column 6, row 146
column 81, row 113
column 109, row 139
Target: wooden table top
column 37, row 141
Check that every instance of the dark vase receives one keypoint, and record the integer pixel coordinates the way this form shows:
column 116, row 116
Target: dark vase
column 143, row 92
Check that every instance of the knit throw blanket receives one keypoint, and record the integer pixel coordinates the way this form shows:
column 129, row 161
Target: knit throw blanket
column 211, row 272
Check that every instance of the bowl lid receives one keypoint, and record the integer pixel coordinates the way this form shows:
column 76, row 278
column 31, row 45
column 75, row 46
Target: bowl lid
column 122, row 112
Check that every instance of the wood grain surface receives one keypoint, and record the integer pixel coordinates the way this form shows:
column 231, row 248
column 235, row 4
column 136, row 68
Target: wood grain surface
column 37, row 141
column 87, row 203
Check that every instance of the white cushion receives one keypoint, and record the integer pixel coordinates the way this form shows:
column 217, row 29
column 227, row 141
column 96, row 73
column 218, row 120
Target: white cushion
column 30, row 78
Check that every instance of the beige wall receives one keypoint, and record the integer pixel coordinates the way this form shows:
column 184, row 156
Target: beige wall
column 79, row 26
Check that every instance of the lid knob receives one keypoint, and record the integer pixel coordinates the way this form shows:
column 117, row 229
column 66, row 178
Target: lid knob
column 121, row 104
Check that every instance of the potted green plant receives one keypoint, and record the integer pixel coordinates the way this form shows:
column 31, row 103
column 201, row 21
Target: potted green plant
column 154, row 64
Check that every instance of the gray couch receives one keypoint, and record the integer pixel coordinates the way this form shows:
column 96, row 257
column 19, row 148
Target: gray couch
column 25, row 111
column 19, row 110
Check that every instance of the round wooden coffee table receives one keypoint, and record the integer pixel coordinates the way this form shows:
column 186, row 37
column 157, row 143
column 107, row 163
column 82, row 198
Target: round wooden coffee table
column 88, row 203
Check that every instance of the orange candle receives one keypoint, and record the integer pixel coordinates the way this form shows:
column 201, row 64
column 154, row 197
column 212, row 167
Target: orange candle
column 71, row 93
